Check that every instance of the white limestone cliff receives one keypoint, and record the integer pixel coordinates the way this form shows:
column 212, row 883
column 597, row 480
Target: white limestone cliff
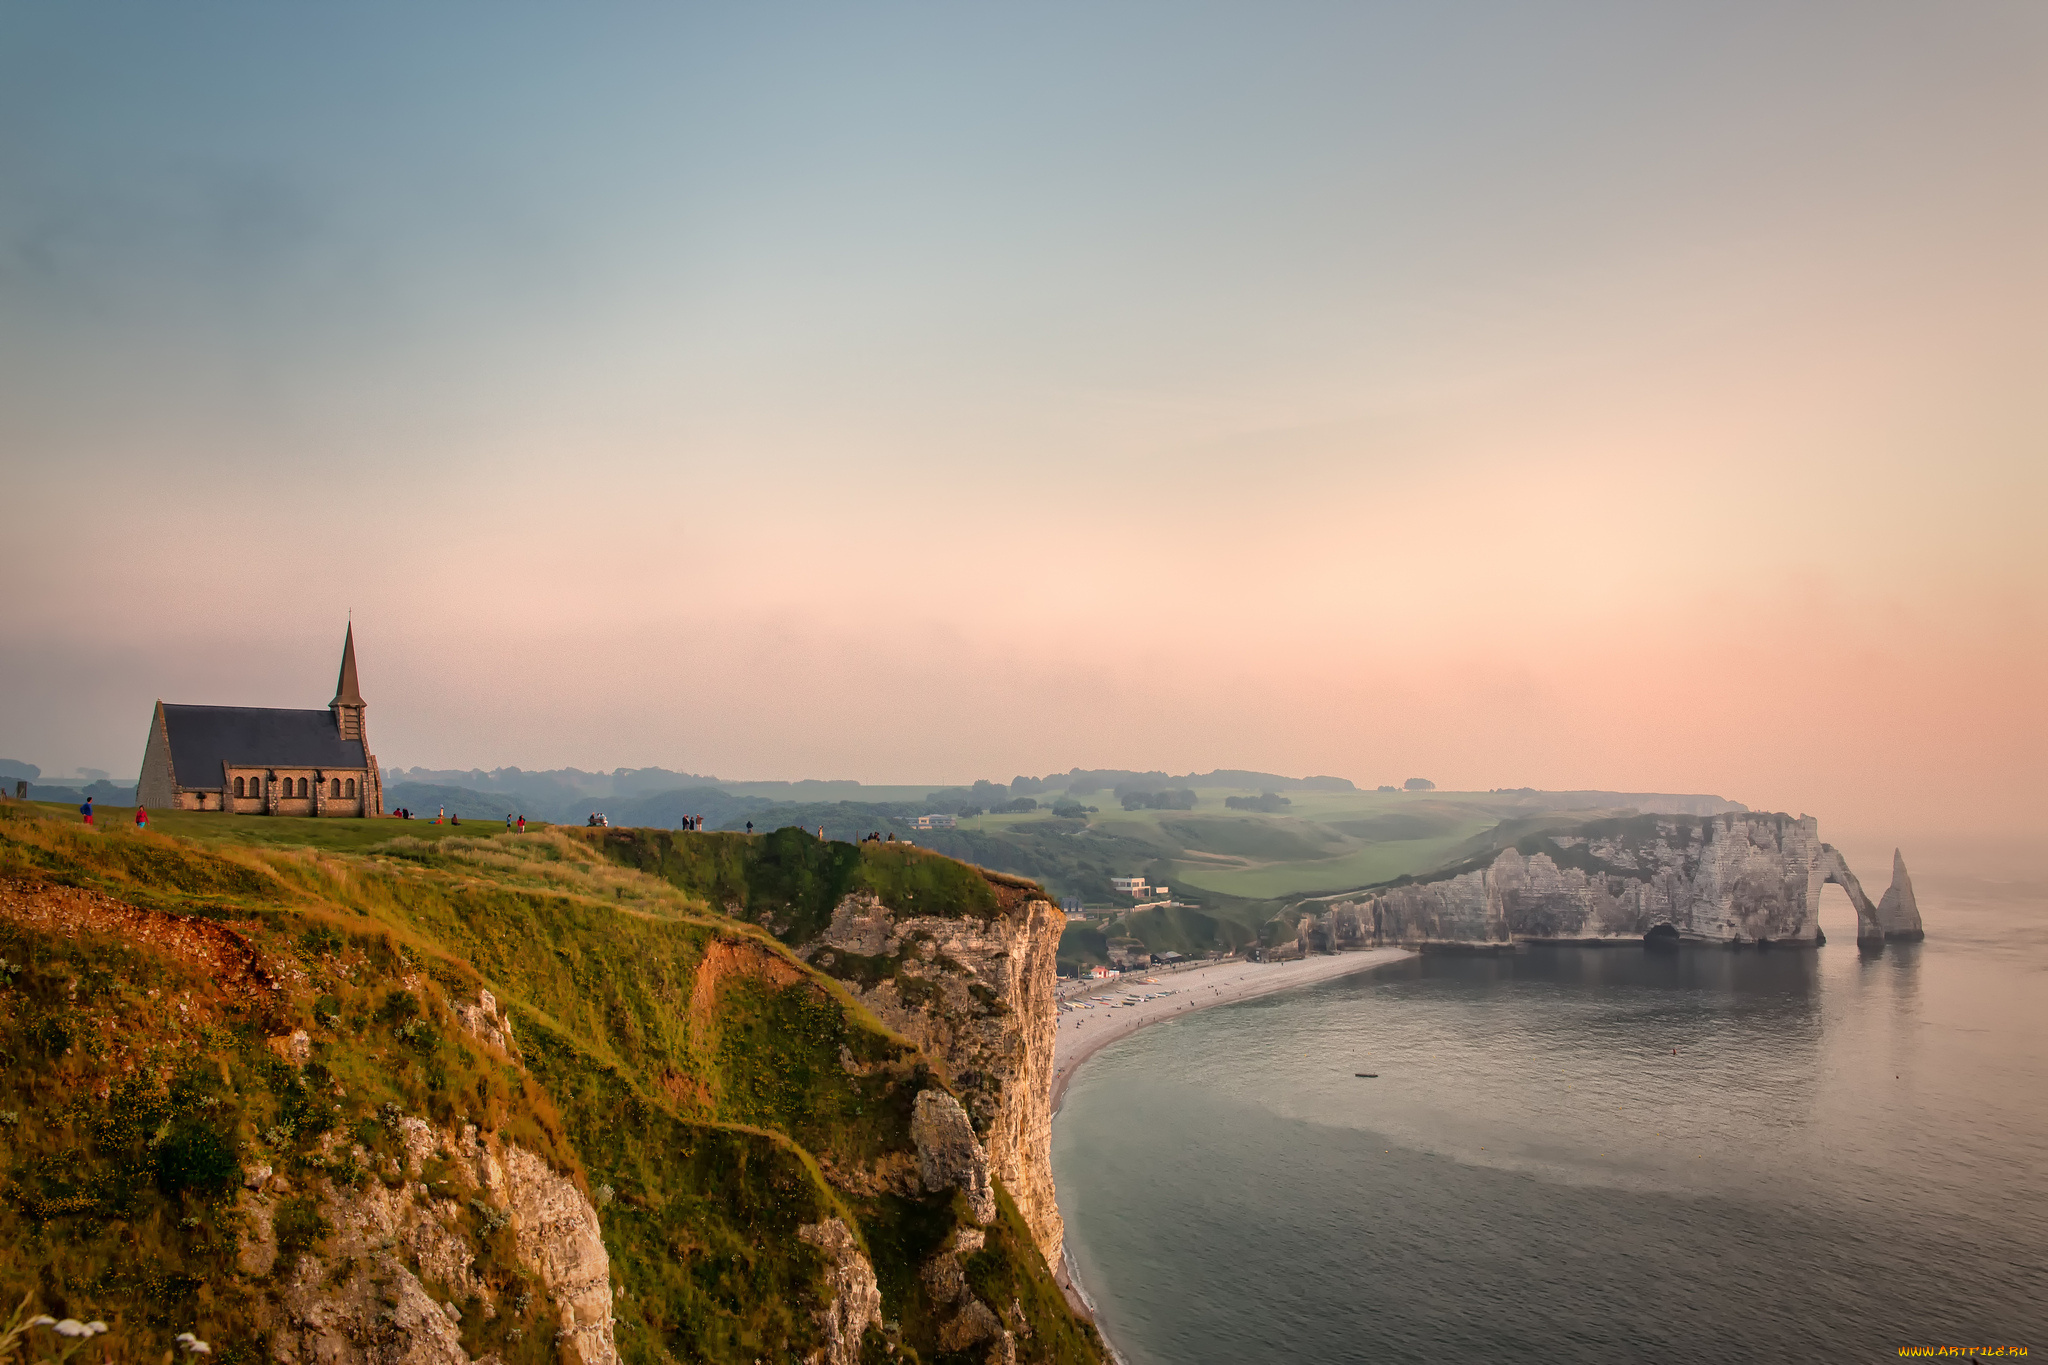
column 362, row 1298
column 1735, row 878
column 978, row 996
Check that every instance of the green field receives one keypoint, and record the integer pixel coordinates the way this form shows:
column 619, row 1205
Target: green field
column 1324, row 841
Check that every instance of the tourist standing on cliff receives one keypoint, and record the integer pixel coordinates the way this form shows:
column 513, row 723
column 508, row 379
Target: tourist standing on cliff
column 86, row 811
column 142, row 820
column 522, row 824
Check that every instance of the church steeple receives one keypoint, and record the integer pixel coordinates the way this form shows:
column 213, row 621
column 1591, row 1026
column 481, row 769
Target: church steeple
column 348, row 696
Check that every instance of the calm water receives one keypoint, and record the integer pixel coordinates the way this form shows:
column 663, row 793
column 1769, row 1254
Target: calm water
column 1843, row 1155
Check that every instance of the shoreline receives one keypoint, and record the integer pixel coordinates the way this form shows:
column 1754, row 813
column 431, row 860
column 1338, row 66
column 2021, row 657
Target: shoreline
column 1085, row 1032
column 1180, row 992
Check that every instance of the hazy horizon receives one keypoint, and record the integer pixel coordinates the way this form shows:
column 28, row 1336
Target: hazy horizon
column 1575, row 396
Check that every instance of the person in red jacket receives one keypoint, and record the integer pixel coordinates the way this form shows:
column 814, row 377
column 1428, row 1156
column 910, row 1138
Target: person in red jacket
column 141, row 820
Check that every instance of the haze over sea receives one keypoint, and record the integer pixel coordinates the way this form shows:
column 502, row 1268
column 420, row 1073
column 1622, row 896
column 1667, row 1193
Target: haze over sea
column 1591, row 1154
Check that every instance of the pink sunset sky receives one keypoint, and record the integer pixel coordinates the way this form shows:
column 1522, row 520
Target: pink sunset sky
column 1557, row 395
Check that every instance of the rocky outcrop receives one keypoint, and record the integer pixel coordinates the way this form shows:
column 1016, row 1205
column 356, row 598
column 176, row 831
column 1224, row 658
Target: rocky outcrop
column 977, row 995
column 856, row 1302
column 556, row 1232
column 948, row 1156
column 1725, row 879
column 490, row 1024
column 1898, row 914
column 377, row 1313
column 968, row 1321
column 362, row 1297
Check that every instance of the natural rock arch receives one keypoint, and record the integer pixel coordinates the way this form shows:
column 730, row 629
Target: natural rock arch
column 1894, row 919
column 1834, row 869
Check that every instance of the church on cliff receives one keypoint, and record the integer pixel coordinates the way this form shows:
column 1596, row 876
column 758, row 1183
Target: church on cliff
column 263, row 760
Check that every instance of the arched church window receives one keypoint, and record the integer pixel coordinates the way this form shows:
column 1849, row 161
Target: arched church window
column 303, row 790
column 351, row 788
column 238, row 787
column 336, row 788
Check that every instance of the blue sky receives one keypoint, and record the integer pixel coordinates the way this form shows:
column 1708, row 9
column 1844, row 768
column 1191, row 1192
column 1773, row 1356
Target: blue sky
column 1186, row 385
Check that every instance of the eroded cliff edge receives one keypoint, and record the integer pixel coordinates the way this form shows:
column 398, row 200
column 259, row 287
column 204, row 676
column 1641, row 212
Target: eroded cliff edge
column 978, row 993
column 560, row 1096
column 1731, row 878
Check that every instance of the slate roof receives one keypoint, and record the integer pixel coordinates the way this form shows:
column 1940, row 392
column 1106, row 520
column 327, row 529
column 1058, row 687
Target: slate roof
column 204, row 737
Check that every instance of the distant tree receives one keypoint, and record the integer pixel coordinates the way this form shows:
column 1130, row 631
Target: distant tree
column 1020, row 806
column 1386, row 788
column 1419, row 784
column 1026, row 786
column 1269, row 802
column 1183, row 799
column 14, row 767
column 1072, row 810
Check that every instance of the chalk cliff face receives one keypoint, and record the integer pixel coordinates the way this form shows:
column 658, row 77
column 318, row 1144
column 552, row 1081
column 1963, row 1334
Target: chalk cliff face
column 977, row 993
column 366, row 1299
column 1734, row 878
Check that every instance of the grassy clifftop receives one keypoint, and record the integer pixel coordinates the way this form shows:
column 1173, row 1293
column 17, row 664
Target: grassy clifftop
column 670, row 1055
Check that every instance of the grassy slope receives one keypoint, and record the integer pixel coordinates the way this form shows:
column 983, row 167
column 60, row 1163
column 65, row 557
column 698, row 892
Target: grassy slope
column 704, row 1116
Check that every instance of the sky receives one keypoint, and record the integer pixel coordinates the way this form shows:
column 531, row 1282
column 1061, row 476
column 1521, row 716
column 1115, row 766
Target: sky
column 1564, row 395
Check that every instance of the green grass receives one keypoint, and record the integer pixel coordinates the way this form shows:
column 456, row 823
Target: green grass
column 338, row 834
column 1360, row 866
column 702, row 1100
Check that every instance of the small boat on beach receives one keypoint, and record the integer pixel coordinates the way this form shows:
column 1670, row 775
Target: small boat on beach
column 1367, row 1075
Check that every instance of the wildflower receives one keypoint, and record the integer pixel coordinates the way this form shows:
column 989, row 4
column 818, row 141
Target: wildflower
column 72, row 1327
column 193, row 1345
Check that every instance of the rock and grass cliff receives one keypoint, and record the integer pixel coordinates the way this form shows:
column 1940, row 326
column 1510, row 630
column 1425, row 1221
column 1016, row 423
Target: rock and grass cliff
column 444, row 1096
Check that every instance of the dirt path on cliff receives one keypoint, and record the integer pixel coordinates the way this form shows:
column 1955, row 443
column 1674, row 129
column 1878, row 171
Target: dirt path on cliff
column 1104, row 1017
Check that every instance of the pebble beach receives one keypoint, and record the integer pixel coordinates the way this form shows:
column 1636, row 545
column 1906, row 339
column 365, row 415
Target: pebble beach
column 1092, row 1020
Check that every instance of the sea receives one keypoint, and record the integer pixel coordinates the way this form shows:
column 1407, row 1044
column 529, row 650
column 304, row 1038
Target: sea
column 1590, row 1154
